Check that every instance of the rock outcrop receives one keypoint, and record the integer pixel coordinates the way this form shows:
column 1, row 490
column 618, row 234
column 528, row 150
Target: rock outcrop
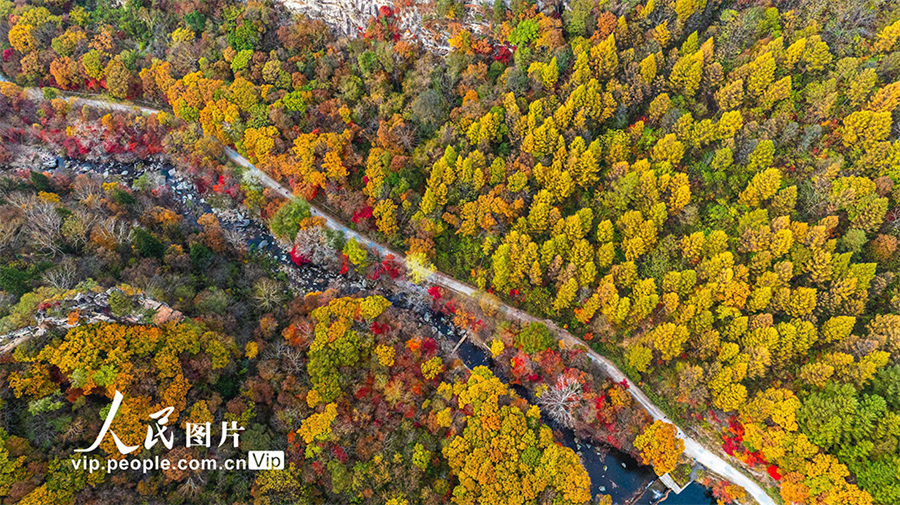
column 416, row 18
column 88, row 308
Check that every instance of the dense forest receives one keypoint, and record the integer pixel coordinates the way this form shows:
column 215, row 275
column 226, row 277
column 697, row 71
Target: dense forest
column 705, row 191
column 359, row 398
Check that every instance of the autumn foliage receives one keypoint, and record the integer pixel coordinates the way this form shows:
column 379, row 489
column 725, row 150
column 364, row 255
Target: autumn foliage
column 708, row 189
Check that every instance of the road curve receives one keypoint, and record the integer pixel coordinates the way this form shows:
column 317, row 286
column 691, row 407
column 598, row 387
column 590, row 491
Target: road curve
column 692, row 448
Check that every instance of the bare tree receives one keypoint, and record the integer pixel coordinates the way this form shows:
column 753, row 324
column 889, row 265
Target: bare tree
column 76, row 227
column 893, row 220
column 286, row 419
column 192, row 487
column 235, row 239
column 74, row 430
column 815, row 194
column 63, row 276
column 276, row 350
column 42, row 433
column 44, row 225
column 87, row 189
column 311, row 244
column 416, row 295
column 559, row 401
column 268, row 293
column 20, row 200
column 294, row 361
column 119, row 230
column 11, row 219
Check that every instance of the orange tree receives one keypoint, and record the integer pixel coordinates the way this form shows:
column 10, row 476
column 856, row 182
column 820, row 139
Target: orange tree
column 660, row 446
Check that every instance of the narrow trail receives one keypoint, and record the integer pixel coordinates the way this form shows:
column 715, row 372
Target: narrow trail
column 692, row 448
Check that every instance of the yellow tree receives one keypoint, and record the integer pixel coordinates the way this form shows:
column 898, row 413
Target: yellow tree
column 686, row 74
column 731, row 95
column 385, row 217
column 258, row 142
column 763, row 186
column 685, row 9
column 566, row 295
column 669, row 148
column 887, row 37
column 866, row 128
column 885, row 99
column 605, row 57
column 780, row 90
column 729, row 124
column 648, row 68
column 815, row 53
column 504, row 454
column 669, row 339
column 550, row 74
column 334, row 166
column 761, row 73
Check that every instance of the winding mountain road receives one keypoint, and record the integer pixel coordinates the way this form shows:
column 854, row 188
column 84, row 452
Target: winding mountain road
column 692, row 448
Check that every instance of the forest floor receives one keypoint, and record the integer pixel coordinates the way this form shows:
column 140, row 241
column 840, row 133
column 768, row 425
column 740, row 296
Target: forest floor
column 693, row 448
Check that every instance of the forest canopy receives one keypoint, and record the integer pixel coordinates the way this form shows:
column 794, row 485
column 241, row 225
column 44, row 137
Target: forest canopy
column 706, row 191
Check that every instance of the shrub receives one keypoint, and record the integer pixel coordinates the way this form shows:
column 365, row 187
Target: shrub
column 15, row 281
column 119, row 304
column 43, row 405
column 146, row 244
column 41, row 182
column 286, row 222
column 201, row 256
column 534, row 337
column 212, row 300
column 525, row 32
column 195, row 21
column 123, row 197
